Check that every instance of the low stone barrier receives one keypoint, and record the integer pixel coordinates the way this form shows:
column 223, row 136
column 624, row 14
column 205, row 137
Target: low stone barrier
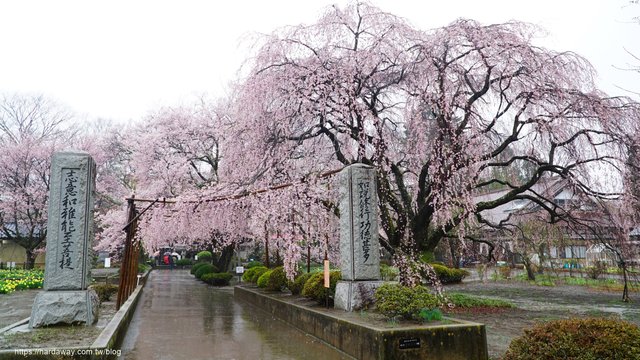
column 456, row 340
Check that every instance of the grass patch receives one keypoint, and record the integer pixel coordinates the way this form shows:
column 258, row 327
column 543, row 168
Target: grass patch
column 541, row 280
column 599, row 284
column 468, row 301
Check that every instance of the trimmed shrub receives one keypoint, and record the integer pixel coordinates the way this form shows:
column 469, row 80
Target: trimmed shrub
column 448, row 275
column 205, row 269
column 264, row 279
column 196, row 266
column 394, row 300
column 314, row 287
column 217, row 279
column 253, row 274
column 105, row 291
column 252, row 264
column 277, row 280
column 205, row 256
column 297, row 285
column 184, row 262
column 578, row 339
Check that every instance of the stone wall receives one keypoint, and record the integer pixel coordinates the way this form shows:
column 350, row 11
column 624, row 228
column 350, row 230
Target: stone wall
column 459, row 340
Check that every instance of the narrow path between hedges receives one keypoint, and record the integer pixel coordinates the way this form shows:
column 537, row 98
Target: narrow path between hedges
column 179, row 317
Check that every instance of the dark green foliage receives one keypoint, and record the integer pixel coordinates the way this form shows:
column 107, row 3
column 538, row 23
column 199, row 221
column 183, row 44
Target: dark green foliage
column 206, row 269
column 253, row 274
column 314, row 287
column 449, row 275
column 394, row 300
column 297, row 285
column 195, row 267
column 578, row 339
column 277, row 280
column 253, row 264
column 184, row 262
column 430, row 315
column 264, row 279
column 105, row 291
column 217, row 279
column 205, row 256
column 462, row 300
column 143, row 267
column 427, row 257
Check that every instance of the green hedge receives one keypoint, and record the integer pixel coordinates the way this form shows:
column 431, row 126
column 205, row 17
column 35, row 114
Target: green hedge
column 184, row 262
column 252, row 264
column 206, row 269
column 205, row 256
column 277, row 279
column 393, row 300
column 264, row 279
column 448, row 275
column 252, row 274
column 577, row 339
column 217, row 279
column 314, row 287
column 195, row 267
column 297, row 285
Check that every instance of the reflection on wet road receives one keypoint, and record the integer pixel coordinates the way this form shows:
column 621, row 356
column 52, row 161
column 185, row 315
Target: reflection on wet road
column 179, row 317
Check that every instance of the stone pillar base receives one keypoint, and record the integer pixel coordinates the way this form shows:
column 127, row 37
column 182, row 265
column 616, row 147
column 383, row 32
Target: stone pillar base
column 64, row 307
column 355, row 295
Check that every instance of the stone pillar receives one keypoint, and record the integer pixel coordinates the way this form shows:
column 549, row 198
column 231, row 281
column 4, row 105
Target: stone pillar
column 359, row 244
column 65, row 298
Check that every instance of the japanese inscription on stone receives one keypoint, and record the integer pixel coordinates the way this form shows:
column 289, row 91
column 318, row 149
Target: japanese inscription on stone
column 359, row 247
column 68, row 217
column 70, row 222
column 66, row 298
column 364, row 217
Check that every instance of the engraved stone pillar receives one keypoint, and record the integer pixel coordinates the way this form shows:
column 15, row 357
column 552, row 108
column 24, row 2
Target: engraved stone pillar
column 65, row 298
column 359, row 244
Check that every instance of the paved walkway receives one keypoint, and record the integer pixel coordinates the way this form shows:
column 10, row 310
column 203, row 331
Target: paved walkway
column 179, row 317
column 16, row 306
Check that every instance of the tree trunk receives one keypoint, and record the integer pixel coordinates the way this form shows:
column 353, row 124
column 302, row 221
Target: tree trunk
column 30, row 259
column 531, row 275
column 625, row 277
column 455, row 259
column 266, row 246
column 541, row 259
column 225, row 258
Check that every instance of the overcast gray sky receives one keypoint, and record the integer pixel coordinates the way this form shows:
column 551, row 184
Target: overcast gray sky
column 122, row 59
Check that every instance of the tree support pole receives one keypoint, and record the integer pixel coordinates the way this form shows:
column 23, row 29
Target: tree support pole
column 125, row 267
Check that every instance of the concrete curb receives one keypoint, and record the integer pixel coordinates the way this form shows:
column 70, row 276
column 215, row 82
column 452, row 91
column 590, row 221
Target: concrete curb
column 15, row 324
column 104, row 347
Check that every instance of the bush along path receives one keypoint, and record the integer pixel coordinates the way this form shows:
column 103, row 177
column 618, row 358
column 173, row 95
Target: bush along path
column 209, row 273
